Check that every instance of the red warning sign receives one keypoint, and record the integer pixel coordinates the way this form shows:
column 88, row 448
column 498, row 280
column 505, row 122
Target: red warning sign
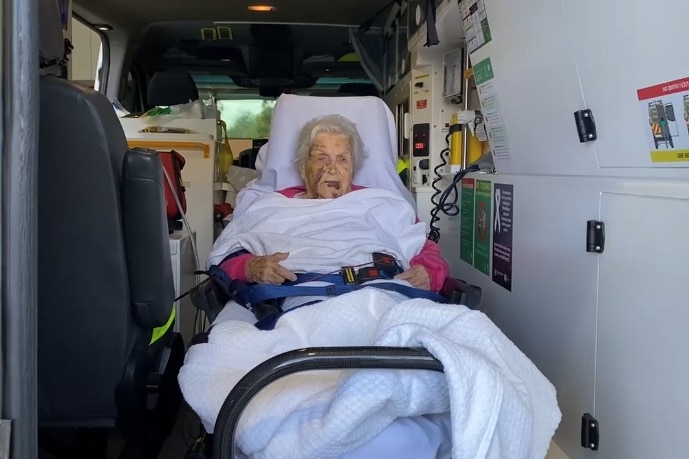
column 664, row 89
column 421, row 104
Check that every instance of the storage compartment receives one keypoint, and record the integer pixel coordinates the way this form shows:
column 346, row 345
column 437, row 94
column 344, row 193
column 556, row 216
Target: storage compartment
column 615, row 66
column 641, row 364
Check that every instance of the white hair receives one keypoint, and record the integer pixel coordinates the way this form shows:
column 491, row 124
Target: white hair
column 329, row 124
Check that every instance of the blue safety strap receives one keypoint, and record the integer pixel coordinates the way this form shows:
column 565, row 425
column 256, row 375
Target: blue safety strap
column 247, row 294
column 258, row 293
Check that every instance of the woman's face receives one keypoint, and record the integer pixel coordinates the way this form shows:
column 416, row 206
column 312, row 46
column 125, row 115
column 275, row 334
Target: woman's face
column 328, row 170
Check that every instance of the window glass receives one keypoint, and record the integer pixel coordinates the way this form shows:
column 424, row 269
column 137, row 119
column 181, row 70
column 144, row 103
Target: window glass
column 246, row 118
column 86, row 57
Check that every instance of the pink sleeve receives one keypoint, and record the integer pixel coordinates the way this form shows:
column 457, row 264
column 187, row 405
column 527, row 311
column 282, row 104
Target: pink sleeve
column 431, row 259
column 235, row 266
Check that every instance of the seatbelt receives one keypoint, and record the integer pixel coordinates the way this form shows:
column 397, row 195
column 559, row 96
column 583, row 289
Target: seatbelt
column 251, row 294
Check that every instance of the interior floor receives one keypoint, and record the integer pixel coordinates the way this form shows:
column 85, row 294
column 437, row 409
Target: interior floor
column 187, row 429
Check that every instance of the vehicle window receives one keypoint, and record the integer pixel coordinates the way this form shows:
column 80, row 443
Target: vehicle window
column 246, row 114
column 246, row 118
column 87, row 55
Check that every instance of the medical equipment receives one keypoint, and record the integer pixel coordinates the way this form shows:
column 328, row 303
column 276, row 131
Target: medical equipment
column 205, row 387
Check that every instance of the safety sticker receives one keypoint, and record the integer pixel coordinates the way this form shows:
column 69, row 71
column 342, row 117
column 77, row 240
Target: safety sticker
column 665, row 111
column 475, row 23
column 466, row 235
column 503, row 198
column 482, row 226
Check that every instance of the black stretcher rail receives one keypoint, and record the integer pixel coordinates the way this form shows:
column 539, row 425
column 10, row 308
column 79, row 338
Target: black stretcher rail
column 314, row 358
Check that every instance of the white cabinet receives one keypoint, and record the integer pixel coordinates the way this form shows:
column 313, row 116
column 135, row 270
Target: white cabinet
column 622, row 47
column 641, row 365
column 183, row 268
column 607, row 329
column 534, row 89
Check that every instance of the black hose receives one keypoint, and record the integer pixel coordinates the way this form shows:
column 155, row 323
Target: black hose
column 315, row 358
column 434, row 233
column 447, row 202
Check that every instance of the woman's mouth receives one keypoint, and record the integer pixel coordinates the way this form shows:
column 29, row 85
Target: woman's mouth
column 332, row 184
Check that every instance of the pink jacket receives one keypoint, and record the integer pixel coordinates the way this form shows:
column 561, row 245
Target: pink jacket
column 429, row 257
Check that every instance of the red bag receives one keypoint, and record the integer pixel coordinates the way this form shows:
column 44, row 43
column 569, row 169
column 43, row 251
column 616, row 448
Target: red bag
column 173, row 163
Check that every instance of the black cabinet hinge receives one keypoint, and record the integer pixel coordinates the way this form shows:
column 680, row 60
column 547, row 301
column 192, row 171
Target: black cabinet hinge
column 586, row 125
column 590, row 434
column 595, row 236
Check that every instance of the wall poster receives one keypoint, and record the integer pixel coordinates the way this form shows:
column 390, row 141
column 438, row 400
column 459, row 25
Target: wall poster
column 503, row 198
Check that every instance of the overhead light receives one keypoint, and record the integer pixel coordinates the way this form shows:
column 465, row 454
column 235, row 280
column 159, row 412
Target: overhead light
column 262, row 8
column 103, row 27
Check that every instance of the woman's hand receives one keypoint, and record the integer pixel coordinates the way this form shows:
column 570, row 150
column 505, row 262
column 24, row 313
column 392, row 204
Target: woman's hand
column 267, row 270
column 417, row 276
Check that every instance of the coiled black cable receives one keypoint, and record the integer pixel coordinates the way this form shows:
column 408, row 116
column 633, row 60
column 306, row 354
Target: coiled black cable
column 434, row 233
column 440, row 197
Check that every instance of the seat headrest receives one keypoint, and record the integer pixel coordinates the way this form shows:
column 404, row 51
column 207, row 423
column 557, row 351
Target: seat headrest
column 359, row 89
column 51, row 40
column 169, row 87
column 275, row 163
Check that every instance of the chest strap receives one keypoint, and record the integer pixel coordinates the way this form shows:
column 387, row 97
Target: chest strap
column 251, row 294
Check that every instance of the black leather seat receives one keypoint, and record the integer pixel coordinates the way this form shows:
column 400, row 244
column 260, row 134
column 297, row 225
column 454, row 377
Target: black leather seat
column 171, row 87
column 104, row 272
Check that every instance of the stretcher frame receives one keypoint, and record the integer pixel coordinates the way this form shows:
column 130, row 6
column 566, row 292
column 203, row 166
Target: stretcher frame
column 209, row 298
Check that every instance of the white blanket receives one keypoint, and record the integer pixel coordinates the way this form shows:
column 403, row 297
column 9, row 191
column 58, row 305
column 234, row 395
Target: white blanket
column 322, row 235
column 501, row 405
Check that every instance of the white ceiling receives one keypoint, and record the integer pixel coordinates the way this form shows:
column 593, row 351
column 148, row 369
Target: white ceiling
column 136, row 14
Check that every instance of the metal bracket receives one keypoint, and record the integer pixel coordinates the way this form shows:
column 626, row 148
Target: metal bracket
column 586, row 125
column 590, row 435
column 595, row 236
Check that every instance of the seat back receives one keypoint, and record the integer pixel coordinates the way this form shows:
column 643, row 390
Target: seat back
column 145, row 229
column 171, row 87
column 104, row 272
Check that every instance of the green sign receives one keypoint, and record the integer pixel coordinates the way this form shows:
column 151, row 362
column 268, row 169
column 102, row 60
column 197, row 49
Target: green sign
column 466, row 243
column 483, row 71
column 482, row 226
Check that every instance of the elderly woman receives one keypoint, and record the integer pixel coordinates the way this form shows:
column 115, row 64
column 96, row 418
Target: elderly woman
column 329, row 150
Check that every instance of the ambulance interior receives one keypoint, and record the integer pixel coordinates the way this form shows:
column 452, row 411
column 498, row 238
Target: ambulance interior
column 563, row 151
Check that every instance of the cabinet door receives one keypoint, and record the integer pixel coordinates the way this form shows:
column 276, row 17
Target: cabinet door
column 536, row 82
column 621, row 47
column 641, row 394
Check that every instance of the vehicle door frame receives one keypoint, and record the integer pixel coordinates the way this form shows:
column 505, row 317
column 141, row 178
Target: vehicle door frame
column 18, row 198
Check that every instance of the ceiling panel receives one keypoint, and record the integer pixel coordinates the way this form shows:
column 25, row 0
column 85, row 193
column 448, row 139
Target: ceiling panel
column 135, row 14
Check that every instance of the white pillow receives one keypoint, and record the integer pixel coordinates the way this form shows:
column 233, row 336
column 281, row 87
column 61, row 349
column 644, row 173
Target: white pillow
column 275, row 162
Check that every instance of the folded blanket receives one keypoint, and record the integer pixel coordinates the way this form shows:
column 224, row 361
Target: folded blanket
column 501, row 406
column 322, row 235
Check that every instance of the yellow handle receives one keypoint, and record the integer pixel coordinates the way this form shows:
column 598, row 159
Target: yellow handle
column 226, row 155
column 455, row 141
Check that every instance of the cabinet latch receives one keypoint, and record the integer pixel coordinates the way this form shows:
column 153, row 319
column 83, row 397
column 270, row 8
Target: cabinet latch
column 595, row 236
column 589, row 432
column 586, row 125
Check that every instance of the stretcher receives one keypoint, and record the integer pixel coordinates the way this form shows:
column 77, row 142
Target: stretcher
column 491, row 401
